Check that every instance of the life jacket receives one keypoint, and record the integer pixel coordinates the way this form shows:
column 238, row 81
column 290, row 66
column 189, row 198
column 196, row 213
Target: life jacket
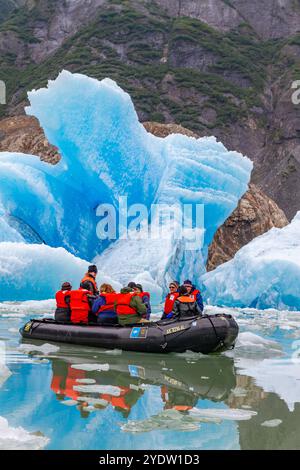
column 186, row 300
column 79, row 305
column 88, row 277
column 194, row 294
column 110, row 301
column 164, row 393
column 181, row 407
column 143, row 294
column 123, row 304
column 71, row 382
column 60, row 297
column 56, row 384
column 169, row 303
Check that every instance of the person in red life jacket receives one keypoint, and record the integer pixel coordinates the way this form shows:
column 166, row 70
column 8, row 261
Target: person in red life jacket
column 104, row 305
column 81, row 303
column 170, row 299
column 129, row 307
column 90, row 278
column 185, row 305
column 64, row 381
column 63, row 312
column 64, row 378
column 194, row 293
column 145, row 296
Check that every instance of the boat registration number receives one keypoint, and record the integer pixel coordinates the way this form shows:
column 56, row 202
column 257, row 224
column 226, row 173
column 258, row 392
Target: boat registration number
column 175, row 329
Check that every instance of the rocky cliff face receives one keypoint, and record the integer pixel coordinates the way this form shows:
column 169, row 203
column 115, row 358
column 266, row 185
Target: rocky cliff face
column 217, row 67
column 268, row 18
column 24, row 134
column 255, row 215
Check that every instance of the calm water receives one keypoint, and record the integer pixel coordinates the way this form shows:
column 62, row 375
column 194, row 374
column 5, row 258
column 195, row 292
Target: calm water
column 66, row 397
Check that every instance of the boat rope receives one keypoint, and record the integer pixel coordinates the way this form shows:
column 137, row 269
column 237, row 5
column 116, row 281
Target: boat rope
column 220, row 341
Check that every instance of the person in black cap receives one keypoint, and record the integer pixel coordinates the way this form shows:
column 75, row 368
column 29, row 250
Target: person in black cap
column 90, row 278
column 62, row 297
column 132, row 285
column 194, row 293
column 185, row 305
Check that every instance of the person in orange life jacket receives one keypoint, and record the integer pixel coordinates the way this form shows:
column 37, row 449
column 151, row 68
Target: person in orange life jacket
column 194, row 293
column 129, row 307
column 80, row 303
column 63, row 312
column 90, row 278
column 185, row 305
column 145, row 296
column 170, row 299
column 104, row 305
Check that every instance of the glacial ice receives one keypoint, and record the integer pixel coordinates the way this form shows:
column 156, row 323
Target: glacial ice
column 45, row 348
column 263, row 274
column 19, row 439
column 106, row 153
column 37, row 271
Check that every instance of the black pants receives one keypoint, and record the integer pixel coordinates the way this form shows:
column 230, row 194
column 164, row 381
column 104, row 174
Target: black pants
column 107, row 318
column 62, row 315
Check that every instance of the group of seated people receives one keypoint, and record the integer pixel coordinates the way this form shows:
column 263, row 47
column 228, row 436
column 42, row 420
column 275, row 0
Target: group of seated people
column 129, row 306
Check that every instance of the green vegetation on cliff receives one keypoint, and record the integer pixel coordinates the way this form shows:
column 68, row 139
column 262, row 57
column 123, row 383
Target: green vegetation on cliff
column 143, row 51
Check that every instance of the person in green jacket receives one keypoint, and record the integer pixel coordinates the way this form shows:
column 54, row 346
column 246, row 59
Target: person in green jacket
column 129, row 307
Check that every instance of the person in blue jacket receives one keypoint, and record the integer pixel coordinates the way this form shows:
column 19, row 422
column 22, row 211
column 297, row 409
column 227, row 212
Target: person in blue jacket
column 104, row 306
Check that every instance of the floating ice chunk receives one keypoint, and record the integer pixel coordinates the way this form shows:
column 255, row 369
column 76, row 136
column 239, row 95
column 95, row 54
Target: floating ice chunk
column 91, row 367
column 69, row 402
column 89, row 408
column 106, row 389
column 96, row 402
column 86, row 381
column 251, row 341
column 272, row 423
column 263, row 274
column 44, row 349
column 5, row 373
column 192, row 356
column 191, row 421
column 166, row 420
column 19, row 439
column 113, row 352
column 239, row 392
column 227, row 414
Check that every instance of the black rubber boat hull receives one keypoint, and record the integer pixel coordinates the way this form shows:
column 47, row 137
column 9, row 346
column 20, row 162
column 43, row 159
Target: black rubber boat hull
column 206, row 334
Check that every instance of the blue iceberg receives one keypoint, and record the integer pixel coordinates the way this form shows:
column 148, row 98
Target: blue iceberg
column 263, row 274
column 107, row 155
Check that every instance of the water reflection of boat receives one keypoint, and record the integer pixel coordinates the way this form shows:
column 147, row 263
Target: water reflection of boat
column 97, row 381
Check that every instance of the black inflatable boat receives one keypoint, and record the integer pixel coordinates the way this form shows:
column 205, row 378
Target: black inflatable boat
column 206, row 334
